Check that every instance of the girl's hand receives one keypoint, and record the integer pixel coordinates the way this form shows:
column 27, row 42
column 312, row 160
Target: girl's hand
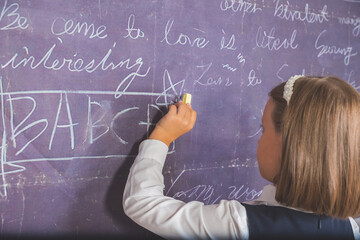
column 179, row 120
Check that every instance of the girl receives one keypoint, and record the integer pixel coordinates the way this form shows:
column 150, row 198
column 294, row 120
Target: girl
column 309, row 150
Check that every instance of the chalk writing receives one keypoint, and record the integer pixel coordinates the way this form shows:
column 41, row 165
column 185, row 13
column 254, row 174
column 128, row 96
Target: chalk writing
column 204, row 193
column 118, row 115
column 228, row 67
column 148, row 122
column 77, row 65
column 240, row 58
column 70, row 124
column 61, row 26
column 97, row 124
column 347, row 52
column 34, row 129
column 3, row 160
column 14, row 19
column 253, row 80
column 239, row 6
column 182, row 39
column 67, row 63
column 283, row 11
column 280, row 69
column 351, row 21
column 283, row 67
column 270, row 42
column 15, row 131
column 230, row 44
column 170, row 86
column 133, row 33
column 210, row 81
column 207, row 194
column 63, row 112
column 238, row 193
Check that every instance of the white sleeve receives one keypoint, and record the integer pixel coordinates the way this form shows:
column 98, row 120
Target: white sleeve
column 144, row 203
column 355, row 223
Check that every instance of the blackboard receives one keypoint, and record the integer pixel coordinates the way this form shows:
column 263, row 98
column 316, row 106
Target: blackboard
column 83, row 82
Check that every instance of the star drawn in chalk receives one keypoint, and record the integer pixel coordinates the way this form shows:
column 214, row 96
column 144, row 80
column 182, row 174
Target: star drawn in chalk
column 171, row 90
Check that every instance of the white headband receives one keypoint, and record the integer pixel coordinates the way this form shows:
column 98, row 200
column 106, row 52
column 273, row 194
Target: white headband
column 288, row 88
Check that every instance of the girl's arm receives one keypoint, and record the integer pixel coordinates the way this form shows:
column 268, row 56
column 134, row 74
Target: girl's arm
column 145, row 203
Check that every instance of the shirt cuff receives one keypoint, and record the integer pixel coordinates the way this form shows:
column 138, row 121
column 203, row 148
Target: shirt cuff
column 153, row 149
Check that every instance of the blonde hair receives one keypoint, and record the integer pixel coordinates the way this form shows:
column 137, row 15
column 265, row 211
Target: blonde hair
column 320, row 128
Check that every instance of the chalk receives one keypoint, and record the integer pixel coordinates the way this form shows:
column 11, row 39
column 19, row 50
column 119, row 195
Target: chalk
column 187, row 98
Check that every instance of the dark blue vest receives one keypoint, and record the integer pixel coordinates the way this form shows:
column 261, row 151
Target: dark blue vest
column 271, row 222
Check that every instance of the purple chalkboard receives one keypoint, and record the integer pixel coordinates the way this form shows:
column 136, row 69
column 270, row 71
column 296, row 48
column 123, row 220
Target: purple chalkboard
column 83, row 82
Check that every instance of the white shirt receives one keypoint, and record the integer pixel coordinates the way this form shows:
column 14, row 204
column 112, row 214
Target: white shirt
column 145, row 203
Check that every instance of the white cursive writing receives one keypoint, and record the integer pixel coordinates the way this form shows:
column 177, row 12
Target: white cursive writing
column 270, row 42
column 239, row 6
column 133, row 33
column 11, row 12
column 182, row 39
column 282, row 11
column 347, row 52
column 61, row 26
column 351, row 21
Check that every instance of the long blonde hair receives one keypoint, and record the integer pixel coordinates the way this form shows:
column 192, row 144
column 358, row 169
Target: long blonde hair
column 320, row 166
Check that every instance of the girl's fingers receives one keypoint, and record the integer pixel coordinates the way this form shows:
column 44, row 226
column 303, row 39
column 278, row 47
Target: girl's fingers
column 172, row 109
column 182, row 109
column 187, row 116
column 193, row 118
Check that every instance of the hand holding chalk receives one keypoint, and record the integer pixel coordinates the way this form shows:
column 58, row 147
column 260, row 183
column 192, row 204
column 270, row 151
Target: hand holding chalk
column 179, row 120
